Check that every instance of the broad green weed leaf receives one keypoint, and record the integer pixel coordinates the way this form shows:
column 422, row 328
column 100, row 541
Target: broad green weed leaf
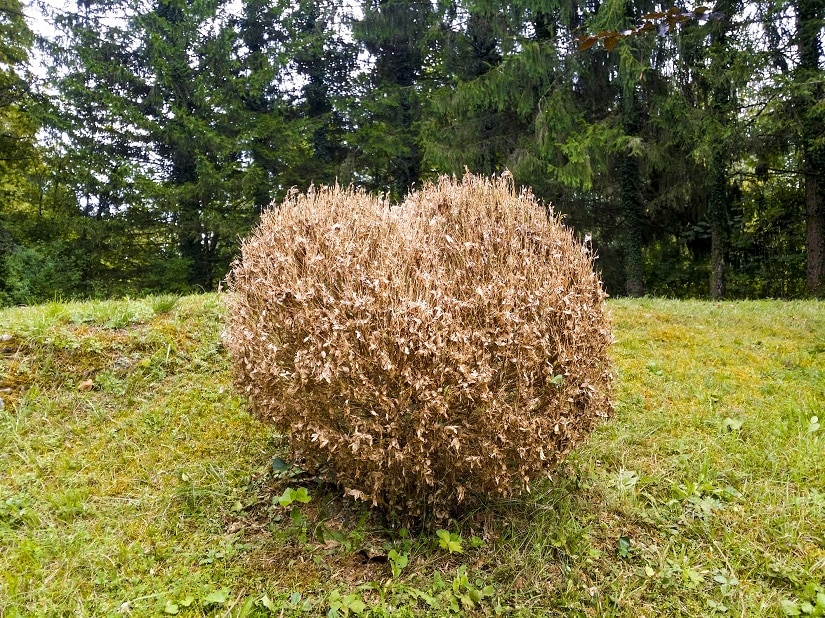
column 217, row 597
column 627, row 479
column 654, row 368
column 186, row 601
column 716, row 606
column 291, row 495
column 449, row 541
column 454, row 547
column 624, row 546
column 429, row 600
column 335, row 602
column 732, row 424
column 246, row 608
column 171, row 608
column 267, row 603
column 397, row 562
column 732, row 492
column 354, row 603
column 286, row 498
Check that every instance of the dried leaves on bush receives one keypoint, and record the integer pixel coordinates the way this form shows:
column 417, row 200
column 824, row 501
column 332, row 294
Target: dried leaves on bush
column 426, row 354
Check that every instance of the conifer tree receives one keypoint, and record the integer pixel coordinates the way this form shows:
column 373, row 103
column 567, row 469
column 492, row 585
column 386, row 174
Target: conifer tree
column 396, row 34
column 19, row 156
column 462, row 129
column 153, row 135
column 809, row 110
column 325, row 62
column 718, row 90
column 17, row 124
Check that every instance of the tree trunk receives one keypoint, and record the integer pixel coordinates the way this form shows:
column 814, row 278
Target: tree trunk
column 191, row 234
column 631, row 195
column 814, row 236
column 717, row 215
column 718, row 174
column 809, row 76
column 632, row 211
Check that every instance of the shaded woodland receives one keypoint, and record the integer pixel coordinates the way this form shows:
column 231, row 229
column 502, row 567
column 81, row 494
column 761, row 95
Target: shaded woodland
column 141, row 139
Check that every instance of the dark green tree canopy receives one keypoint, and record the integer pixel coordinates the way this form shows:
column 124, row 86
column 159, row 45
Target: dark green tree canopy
column 687, row 143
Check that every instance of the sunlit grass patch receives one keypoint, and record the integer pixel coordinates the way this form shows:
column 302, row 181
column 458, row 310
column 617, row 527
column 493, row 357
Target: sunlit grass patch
column 152, row 491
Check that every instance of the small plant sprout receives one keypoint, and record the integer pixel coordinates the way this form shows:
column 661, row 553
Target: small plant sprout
column 624, row 546
column 344, row 605
column 450, row 541
column 810, row 602
column 626, row 480
column 291, row 495
column 727, row 583
column 468, row 593
column 171, row 608
column 732, row 424
column 267, row 603
column 216, row 597
column 476, row 541
column 654, row 369
column 397, row 562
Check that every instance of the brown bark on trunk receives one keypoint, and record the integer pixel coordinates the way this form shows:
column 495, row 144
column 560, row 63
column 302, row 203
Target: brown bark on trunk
column 814, row 236
column 717, row 213
column 721, row 110
column 809, row 75
column 631, row 197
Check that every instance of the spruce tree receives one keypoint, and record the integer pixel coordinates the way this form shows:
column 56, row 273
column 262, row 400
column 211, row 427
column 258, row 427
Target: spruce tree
column 19, row 155
column 153, row 135
column 809, row 110
column 387, row 151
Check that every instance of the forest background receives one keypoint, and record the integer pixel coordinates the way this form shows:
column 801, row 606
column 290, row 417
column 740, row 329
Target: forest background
column 141, row 139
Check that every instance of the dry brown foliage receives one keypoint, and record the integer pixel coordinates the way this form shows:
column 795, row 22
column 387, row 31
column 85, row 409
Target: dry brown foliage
column 426, row 354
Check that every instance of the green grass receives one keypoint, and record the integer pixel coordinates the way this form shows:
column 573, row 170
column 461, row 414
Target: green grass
column 134, row 482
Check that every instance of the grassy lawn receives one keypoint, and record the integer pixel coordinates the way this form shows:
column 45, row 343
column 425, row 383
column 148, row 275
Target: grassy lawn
column 133, row 482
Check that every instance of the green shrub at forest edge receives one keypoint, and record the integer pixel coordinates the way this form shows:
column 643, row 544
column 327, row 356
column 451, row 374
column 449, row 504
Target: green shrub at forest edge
column 423, row 355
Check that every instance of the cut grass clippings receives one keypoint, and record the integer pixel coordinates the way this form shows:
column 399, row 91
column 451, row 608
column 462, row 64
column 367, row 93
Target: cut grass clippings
column 134, row 482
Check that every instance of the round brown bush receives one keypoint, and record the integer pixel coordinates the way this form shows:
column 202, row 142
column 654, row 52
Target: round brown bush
column 422, row 355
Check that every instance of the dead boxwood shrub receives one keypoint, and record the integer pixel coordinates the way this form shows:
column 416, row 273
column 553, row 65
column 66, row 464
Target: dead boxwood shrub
column 422, row 355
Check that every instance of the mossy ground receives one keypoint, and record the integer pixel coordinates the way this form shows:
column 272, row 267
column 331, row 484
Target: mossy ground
column 133, row 481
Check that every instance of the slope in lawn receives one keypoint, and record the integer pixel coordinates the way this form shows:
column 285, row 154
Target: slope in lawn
column 132, row 480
